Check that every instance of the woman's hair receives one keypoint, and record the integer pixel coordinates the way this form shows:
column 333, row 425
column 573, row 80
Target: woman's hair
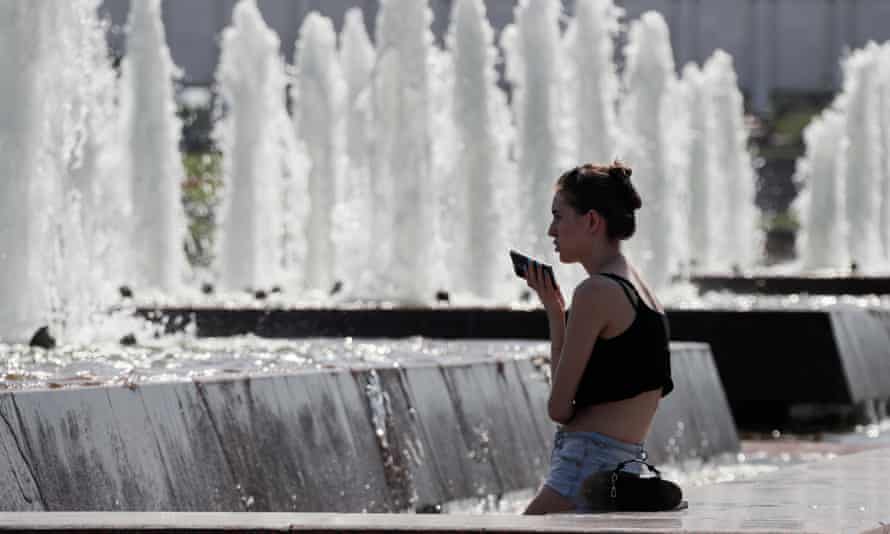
column 606, row 189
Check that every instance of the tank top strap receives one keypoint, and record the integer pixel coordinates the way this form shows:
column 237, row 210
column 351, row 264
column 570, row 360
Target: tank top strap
column 632, row 295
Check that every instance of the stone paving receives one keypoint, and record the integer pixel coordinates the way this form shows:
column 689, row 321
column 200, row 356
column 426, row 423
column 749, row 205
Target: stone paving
column 844, row 494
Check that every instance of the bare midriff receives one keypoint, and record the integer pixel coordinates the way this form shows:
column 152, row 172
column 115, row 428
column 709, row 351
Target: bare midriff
column 626, row 420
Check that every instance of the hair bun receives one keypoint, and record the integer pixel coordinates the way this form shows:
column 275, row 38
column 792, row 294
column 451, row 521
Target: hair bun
column 621, row 174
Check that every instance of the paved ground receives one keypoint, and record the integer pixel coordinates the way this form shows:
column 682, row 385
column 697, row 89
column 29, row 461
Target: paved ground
column 848, row 493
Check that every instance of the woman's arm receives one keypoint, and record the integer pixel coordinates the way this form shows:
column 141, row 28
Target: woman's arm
column 554, row 304
column 585, row 324
column 557, row 324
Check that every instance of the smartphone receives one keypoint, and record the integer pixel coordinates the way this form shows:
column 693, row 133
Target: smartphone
column 521, row 263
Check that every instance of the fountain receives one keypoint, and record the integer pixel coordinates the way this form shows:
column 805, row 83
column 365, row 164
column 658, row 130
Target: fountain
column 264, row 210
column 55, row 85
column 355, row 245
column 652, row 120
column 531, row 49
column 400, row 169
column 152, row 131
column 317, row 95
column 484, row 188
column 402, row 173
column 845, row 171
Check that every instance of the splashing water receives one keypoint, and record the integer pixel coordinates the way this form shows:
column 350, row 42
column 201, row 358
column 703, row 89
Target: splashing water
column 318, row 96
column 400, row 171
column 403, row 188
column 845, row 171
column 651, row 117
column 355, row 243
column 54, row 75
column 531, row 47
column 482, row 176
column 261, row 159
column 152, row 130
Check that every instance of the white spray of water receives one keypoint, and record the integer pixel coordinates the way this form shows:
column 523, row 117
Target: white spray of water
column 705, row 193
column 738, row 234
column 103, row 170
column 589, row 37
column 822, row 240
column 22, row 290
column 356, row 241
column 845, row 206
column 320, row 87
column 532, row 51
column 883, row 113
column 262, row 178
column 482, row 177
column 50, row 83
column 863, row 158
column 652, row 145
column 403, row 190
column 152, row 131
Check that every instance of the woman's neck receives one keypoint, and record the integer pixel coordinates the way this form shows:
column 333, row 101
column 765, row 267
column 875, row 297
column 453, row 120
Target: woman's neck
column 606, row 259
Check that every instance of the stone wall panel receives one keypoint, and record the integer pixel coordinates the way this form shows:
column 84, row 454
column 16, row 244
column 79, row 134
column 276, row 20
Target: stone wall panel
column 18, row 489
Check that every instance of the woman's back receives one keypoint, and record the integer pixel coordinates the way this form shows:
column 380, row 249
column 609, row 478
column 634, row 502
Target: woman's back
column 628, row 346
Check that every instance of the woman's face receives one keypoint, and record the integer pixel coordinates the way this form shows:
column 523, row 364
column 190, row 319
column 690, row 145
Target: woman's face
column 570, row 230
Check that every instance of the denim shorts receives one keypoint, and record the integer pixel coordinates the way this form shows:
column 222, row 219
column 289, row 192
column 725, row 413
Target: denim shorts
column 576, row 455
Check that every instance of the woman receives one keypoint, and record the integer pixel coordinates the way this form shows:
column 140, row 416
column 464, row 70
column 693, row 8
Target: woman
column 610, row 365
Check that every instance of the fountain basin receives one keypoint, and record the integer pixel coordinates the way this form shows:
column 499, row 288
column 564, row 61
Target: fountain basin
column 795, row 285
column 369, row 438
column 767, row 359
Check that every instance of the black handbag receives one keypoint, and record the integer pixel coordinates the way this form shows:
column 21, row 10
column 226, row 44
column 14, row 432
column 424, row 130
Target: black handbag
column 619, row 491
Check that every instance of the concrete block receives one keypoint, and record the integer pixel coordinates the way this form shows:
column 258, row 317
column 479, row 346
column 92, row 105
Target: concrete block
column 533, row 376
column 18, row 488
column 864, row 344
column 362, row 439
column 92, row 449
column 694, row 421
column 492, row 425
column 761, row 355
column 413, row 478
column 190, row 448
column 462, row 471
column 291, row 444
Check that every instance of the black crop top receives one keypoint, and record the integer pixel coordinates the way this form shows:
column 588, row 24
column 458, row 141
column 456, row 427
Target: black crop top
column 634, row 361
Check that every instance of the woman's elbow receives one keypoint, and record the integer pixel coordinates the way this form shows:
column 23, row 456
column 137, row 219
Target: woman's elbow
column 559, row 412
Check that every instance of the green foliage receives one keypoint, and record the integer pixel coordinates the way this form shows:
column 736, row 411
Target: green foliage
column 200, row 198
column 783, row 221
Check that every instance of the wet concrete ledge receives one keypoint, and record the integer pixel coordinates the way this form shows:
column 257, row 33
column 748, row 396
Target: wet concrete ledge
column 762, row 356
column 770, row 360
column 791, row 285
column 844, row 494
column 364, row 439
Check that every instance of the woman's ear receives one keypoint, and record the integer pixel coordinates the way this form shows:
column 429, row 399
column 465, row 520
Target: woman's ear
column 594, row 221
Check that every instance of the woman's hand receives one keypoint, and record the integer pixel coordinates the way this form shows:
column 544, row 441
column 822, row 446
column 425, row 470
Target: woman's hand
column 546, row 288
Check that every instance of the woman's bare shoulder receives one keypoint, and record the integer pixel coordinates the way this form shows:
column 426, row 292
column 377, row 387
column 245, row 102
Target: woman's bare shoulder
column 597, row 290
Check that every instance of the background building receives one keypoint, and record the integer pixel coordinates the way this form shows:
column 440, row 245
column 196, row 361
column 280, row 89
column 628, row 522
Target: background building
column 779, row 46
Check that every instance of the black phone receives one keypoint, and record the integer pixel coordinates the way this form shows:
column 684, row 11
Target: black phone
column 521, row 263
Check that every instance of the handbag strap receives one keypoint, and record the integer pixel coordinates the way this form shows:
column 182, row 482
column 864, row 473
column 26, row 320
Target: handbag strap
column 637, row 460
column 613, row 491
